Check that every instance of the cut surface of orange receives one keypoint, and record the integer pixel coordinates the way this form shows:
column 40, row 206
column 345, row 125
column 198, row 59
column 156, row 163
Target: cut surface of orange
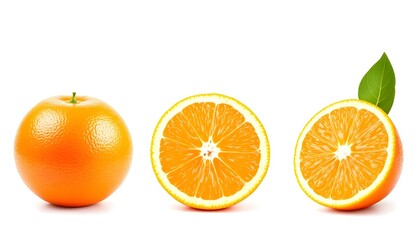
column 348, row 156
column 210, row 151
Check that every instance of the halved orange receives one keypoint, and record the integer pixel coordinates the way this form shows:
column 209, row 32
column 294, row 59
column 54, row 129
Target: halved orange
column 348, row 156
column 210, row 151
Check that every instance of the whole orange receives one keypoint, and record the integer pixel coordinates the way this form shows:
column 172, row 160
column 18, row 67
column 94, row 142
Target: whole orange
column 73, row 151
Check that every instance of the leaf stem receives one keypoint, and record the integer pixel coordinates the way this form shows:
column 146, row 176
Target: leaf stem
column 73, row 98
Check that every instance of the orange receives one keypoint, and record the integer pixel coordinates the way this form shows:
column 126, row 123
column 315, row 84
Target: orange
column 348, row 156
column 72, row 151
column 210, row 151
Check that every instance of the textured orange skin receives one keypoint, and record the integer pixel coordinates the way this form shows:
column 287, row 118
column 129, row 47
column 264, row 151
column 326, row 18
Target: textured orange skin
column 73, row 155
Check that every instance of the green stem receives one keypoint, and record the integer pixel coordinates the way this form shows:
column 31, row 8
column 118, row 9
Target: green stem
column 73, row 98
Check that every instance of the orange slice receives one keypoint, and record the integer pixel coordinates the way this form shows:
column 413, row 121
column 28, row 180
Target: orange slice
column 348, row 156
column 210, row 151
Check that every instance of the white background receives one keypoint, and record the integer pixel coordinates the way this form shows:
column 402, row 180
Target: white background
column 284, row 59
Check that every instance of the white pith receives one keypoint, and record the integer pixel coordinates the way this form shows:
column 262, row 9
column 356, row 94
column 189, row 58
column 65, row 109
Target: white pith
column 343, row 152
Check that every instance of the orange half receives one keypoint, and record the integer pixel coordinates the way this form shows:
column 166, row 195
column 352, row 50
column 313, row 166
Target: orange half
column 209, row 151
column 348, row 156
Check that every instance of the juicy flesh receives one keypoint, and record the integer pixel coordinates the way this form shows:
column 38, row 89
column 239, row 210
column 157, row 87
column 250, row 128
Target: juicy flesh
column 344, row 152
column 209, row 151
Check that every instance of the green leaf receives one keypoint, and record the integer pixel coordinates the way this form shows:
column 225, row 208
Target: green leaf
column 378, row 84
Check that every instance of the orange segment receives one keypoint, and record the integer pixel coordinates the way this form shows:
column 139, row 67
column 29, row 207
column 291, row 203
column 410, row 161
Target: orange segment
column 210, row 151
column 348, row 156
